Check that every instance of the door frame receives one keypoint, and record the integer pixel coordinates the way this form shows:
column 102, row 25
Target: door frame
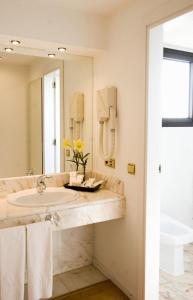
column 143, row 281
column 51, row 69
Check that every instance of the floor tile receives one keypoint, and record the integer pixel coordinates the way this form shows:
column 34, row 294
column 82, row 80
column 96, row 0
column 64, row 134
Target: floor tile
column 179, row 287
column 189, row 248
column 74, row 280
column 80, row 278
column 168, row 292
column 58, row 287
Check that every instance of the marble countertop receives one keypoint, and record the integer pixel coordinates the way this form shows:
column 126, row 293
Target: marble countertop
column 85, row 207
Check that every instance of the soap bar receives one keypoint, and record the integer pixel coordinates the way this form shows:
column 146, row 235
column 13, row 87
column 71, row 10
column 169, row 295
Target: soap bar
column 75, row 179
column 80, row 179
column 89, row 182
column 73, row 176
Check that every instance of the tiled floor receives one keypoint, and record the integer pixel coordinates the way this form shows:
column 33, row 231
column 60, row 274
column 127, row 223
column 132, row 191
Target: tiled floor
column 179, row 287
column 76, row 279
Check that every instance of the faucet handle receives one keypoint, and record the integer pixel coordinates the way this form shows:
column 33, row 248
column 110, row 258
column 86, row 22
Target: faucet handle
column 43, row 176
column 41, row 184
column 53, row 218
column 47, row 176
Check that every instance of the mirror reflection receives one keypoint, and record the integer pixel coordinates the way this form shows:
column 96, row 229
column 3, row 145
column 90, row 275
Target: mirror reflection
column 42, row 101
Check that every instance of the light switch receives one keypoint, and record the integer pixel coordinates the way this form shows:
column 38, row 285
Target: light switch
column 131, row 168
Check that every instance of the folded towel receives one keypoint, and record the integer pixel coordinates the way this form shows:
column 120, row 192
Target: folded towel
column 12, row 263
column 39, row 260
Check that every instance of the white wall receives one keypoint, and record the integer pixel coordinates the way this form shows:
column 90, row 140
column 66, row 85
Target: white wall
column 13, row 120
column 119, row 245
column 177, row 173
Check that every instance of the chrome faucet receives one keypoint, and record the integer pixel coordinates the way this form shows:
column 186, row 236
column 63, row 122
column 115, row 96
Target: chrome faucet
column 41, row 184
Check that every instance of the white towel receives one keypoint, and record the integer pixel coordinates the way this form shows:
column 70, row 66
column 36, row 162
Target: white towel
column 39, row 260
column 12, row 263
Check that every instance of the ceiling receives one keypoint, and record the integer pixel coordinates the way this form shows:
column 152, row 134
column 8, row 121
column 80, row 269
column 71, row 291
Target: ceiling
column 27, row 58
column 179, row 32
column 17, row 59
column 103, row 7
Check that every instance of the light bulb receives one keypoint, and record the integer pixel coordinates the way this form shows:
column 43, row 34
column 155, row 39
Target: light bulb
column 9, row 49
column 62, row 49
column 15, row 42
column 51, row 55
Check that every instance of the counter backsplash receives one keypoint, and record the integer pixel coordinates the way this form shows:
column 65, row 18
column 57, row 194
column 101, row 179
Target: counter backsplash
column 16, row 184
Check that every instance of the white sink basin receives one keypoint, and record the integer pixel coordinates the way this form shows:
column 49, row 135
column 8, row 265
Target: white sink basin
column 50, row 197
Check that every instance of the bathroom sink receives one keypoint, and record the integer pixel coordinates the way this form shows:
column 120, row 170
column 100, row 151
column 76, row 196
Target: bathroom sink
column 50, row 197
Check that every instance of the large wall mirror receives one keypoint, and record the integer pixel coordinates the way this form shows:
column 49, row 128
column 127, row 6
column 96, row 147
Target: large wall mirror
column 36, row 103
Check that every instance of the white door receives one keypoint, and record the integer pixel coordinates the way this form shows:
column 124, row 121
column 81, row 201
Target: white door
column 153, row 158
column 51, row 123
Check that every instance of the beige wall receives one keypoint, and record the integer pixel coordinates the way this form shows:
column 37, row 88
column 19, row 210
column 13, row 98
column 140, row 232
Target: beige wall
column 43, row 66
column 14, row 113
column 13, row 120
column 51, row 21
column 119, row 244
column 35, row 126
column 78, row 77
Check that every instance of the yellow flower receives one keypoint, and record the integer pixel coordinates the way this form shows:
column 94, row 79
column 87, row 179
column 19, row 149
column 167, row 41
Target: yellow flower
column 66, row 143
column 79, row 145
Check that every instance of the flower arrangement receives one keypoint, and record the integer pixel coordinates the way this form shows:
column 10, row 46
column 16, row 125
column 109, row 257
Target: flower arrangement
column 78, row 158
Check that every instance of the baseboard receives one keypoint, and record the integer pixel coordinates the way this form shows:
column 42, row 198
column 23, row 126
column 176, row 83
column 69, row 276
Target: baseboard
column 108, row 273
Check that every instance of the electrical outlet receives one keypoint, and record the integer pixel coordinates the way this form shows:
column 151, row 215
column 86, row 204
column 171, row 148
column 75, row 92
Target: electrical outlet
column 67, row 153
column 110, row 163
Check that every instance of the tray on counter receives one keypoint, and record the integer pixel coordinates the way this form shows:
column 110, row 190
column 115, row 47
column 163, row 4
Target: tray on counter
column 82, row 188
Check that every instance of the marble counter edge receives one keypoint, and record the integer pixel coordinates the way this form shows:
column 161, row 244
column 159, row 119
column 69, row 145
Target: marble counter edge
column 86, row 207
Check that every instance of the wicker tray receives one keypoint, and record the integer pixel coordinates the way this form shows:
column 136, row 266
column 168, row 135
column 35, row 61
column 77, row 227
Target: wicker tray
column 82, row 188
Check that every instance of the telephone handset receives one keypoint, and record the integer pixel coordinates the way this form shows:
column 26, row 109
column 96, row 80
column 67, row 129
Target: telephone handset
column 106, row 113
column 76, row 115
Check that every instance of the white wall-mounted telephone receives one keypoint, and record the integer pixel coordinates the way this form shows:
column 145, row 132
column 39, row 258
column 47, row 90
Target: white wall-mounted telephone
column 106, row 113
column 76, row 115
